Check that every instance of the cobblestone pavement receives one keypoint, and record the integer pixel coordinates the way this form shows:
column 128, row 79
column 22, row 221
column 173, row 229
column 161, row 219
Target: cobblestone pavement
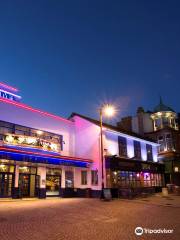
column 85, row 219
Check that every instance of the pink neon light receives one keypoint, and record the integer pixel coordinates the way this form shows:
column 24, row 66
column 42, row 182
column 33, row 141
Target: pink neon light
column 47, row 155
column 9, row 87
column 21, row 105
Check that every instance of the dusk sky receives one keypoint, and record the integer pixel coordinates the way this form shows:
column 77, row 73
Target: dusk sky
column 70, row 56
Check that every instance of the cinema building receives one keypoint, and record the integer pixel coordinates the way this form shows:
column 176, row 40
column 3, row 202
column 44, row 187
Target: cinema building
column 43, row 155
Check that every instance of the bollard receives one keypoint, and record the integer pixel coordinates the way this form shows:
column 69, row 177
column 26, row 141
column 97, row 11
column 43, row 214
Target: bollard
column 164, row 192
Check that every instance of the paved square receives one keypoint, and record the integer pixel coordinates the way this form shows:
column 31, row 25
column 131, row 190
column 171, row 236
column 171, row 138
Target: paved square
column 85, row 219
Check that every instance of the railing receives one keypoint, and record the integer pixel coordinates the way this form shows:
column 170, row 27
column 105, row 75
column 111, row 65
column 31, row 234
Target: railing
column 29, row 142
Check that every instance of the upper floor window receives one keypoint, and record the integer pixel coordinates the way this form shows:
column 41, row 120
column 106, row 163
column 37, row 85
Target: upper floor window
column 165, row 121
column 161, row 142
column 158, row 123
column 18, row 131
column 166, row 143
column 122, row 146
column 149, row 152
column 137, row 149
column 169, row 142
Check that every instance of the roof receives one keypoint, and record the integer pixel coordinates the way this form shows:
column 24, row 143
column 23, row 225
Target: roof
column 161, row 107
column 111, row 127
column 29, row 108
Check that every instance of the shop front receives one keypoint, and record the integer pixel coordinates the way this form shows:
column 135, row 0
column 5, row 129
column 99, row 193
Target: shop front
column 28, row 181
column 6, row 180
column 33, row 174
column 53, row 181
column 125, row 175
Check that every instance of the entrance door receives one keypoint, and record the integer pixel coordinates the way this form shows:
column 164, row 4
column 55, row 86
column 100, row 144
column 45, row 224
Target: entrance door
column 24, row 185
column 28, row 185
column 6, row 180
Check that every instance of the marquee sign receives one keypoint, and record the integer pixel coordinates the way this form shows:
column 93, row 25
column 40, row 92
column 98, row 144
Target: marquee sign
column 9, row 95
column 33, row 142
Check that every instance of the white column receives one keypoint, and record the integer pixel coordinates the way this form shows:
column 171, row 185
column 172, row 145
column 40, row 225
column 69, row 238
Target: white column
column 89, row 178
column 130, row 148
column 16, row 183
column 77, row 177
column 42, row 173
column 63, row 178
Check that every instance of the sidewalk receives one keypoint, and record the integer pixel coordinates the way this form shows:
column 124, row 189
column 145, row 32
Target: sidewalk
column 27, row 199
column 157, row 199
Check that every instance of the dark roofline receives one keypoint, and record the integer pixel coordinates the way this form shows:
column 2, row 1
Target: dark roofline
column 118, row 129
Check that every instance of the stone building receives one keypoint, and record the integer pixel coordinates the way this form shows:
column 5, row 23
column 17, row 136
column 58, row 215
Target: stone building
column 162, row 125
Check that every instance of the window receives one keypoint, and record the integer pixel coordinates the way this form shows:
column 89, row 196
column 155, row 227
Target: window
column 149, row 152
column 165, row 121
column 53, row 171
column 136, row 179
column 10, row 128
column 69, row 179
column 137, row 149
column 122, row 146
column 158, row 123
column 161, row 142
column 84, row 177
column 94, row 177
column 169, row 142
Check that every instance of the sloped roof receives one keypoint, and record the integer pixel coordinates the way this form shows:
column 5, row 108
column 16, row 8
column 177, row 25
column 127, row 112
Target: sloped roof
column 115, row 128
column 161, row 107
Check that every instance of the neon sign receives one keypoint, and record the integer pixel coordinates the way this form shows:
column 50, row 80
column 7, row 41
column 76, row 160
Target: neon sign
column 27, row 141
column 9, row 95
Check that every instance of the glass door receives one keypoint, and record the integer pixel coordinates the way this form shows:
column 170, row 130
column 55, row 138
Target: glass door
column 6, row 180
column 24, row 185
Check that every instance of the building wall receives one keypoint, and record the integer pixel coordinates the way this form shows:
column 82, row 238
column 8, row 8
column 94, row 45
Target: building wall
column 87, row 144
column 112, row 147
column 147, row 123
column 14, row 114
column 135, row 125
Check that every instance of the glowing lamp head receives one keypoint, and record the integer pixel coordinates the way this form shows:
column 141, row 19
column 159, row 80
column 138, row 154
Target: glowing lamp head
column 39, row 132
column 109, row 110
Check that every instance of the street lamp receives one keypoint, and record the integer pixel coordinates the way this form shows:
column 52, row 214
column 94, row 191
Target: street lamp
column 108, row 111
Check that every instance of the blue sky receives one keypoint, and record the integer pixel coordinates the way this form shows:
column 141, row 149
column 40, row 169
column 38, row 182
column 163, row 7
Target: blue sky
column 70, row 56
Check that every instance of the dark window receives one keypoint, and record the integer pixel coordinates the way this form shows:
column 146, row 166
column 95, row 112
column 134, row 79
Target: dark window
column 122, row 146
column 169, row 142
column 161, row 142
column 158, row 123
column 84, row 177
column 94, row 177
column 160, row 138
column 137, row 149
column 69, row 179
column 149, row 152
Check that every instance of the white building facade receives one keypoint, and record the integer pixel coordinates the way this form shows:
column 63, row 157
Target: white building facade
column 42, row 154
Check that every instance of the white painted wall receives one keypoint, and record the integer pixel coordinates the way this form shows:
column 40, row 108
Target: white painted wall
column 87, row 144
column 24, row 117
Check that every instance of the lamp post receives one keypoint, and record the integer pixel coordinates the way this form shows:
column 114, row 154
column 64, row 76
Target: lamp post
column 109, row 111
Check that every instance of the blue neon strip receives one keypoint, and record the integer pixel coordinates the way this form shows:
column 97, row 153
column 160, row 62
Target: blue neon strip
column 34, row 150
column 39, row 159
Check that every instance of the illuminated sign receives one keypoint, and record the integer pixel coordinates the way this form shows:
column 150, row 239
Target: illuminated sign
column 27, row 141
column 9, row 95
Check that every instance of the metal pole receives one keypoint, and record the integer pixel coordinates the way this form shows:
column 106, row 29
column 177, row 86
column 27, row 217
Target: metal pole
column 102, row 154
